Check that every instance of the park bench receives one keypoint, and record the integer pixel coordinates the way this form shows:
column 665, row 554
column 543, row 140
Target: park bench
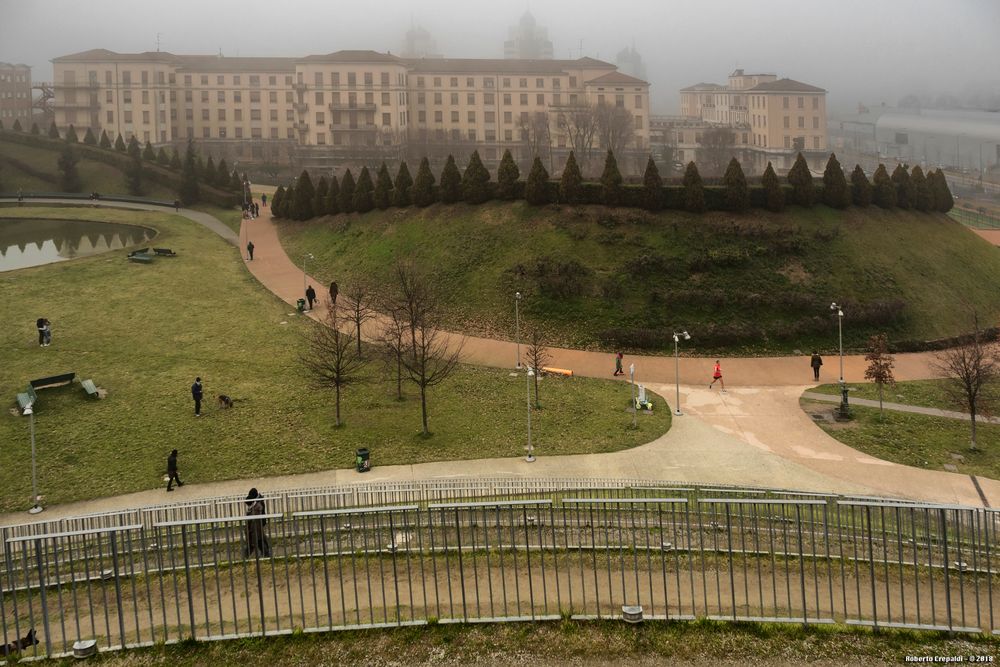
column 24, row 399
column 140, row 251
column 164, row 252
column 557, row 371
column 142, row 258
column 90, row 388
column 52, row 381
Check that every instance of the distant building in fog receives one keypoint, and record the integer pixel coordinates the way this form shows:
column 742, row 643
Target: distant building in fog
column 418, row 43
column 527, row 41
column 630, row 62
column 15, row 95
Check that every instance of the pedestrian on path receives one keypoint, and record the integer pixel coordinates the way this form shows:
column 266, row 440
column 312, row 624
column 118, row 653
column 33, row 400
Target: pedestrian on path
column 177, row 205
column 618, row 364
column 333, row 293
column 310, row 296
column 172, row 471
column 263, row 200
column 196, row 393
column 44, row 333
column 257, row 542
column 256, row 210
column 250, row 250
column 717, row 376
column 816, row 361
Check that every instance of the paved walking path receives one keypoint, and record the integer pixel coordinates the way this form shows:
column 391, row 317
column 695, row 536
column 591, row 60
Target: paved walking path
column 753, row 435
column 900, row 407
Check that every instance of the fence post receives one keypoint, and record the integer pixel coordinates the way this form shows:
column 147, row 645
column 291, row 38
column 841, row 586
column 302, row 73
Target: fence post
column 942, row 513
column 187, row 577
column 41, row 590
column 118, row 586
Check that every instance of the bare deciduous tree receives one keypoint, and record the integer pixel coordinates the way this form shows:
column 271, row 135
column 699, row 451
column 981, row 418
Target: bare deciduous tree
column 615, row 127
column 536, row 135
column 392, row 339
column 716, row 150
column 537, row 356
column 880, row 364
column 972, row 371
column 580, row 125
column 358, row 303
column 330, row 358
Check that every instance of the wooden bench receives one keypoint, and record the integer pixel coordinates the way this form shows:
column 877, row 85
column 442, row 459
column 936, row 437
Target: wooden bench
column 557, row 371
column 24, row 399
column 53, row 381
column 140, row 251
column 164, row 252
column 141, row 258
column 90, row 388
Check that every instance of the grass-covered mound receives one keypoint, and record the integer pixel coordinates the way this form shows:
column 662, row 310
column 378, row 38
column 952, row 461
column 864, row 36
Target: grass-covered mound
column 143, row 332
column 757, row 282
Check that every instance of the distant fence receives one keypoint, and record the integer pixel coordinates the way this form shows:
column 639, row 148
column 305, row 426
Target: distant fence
column 523, row 551
column 975, row 219
column 77, row 196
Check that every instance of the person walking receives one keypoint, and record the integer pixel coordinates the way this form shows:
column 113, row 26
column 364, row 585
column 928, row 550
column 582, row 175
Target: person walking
column 816, row 361
column 196, row 394
column 48, row 333
column 256, row 210
column 40, row 324
column 172, row 471
column 177, row 205
column 257, row 542
column 250, row 250
column 618, row 364
column 310, row 296
column 263, row 200
column 333, row 293
column 717, row 376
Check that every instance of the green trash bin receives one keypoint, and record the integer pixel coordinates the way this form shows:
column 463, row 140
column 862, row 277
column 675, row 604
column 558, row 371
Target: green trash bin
column 301, row 305
column 362, row 460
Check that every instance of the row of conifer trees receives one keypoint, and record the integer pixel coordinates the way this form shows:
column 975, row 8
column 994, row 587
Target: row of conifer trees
column 906, row 189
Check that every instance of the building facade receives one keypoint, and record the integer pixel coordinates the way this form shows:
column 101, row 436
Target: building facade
column 527, row 40
column 779, row 117
column 325, row 110
column 15, row 95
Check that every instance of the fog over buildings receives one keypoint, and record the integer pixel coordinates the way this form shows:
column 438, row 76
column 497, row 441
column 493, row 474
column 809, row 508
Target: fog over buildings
column 860, row 51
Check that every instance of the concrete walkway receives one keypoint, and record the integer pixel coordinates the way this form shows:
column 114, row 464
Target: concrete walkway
column 900, row 407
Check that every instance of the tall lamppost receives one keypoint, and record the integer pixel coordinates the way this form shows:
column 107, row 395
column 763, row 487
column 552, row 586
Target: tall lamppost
column 530, row 457
column 37, row 507
column 677, row 369
column 305, row 257
column 517, row 326
column 844, row 408
column 631, row 377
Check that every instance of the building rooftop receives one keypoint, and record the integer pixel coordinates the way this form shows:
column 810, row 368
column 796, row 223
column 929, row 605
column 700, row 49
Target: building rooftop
column 507, row 65
column 196, row 63
column 4, row 65
column 619, row 77
column 702, row 86
column 353, row 56
column 786, row 86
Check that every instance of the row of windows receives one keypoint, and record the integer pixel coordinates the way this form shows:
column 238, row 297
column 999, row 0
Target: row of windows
column 470, row 82
column 802, row 122
column 14, row 113
column 14, row 78
column 15, row 95
column 69, row 76
column 221, row 114
column 759, row 102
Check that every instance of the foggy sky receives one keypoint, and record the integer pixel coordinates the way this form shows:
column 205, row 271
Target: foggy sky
column 859, row 50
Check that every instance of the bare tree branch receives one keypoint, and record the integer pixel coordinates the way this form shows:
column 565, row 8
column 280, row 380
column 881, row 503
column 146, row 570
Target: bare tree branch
column 537, row 357
column 580, row 125
column 358, row 301
column 615, row 127
column 330, row 359
column 972, row 371
column 880, row 364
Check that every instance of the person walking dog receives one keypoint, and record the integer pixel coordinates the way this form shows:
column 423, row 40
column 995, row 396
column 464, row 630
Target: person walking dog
column 816, row 361
column 172, row 471
column 717, row 376
column 196, row 394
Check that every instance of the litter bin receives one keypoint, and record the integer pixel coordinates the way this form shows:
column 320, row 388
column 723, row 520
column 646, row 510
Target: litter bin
column 301, row 305
column 362, row 460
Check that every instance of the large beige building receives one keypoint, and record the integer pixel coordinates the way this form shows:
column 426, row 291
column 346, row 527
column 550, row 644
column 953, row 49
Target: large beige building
column 778, row 117
column 324, row 110
column 15, row 95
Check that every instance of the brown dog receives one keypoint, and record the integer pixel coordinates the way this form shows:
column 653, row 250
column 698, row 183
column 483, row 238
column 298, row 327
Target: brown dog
column 225, row 402
column 27, row 641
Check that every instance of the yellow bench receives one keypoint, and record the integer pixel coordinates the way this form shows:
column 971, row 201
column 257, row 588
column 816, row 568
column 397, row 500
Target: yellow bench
column 557, row 371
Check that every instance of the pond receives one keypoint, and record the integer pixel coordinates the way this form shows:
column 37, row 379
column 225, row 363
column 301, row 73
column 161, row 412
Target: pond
column 32, row 242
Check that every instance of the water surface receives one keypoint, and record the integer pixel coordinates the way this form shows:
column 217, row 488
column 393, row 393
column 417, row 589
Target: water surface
column 32, row 242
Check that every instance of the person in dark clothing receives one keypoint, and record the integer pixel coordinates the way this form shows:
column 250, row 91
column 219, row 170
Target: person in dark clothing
column 177, row 205
column 816, row 362
column 310, row 296
column 257, row 542
column 172, row 471
column 263, row 200
column 250, row 249
column 41, row 323
column 618, row 364
column 333, row 293
column 256, row 210
column 196, row 392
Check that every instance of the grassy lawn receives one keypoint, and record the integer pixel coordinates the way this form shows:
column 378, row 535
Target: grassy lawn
column 915, row 440
column 143, row 332
column 564, row 643
column 599, row 277
column 925, row 393
column 231, row 217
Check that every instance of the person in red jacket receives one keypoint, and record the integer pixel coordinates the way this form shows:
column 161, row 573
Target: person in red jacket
column 717, row 376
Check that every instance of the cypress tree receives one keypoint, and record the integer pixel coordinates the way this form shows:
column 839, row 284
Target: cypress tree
column 17, row 126
column 921, row 191
column 175, row 161
column 89, row 138
column 189, row 190
column 904, row 189
column 305, row 193
column 133, row 149
column 611, row 181
column 235, row 181
column 133, row 171
column 332, row 197
column 694, row 191
column 346, row 202
column 363, row 199
column 1, row 125
column 652, row 187
column 941, row 196
column 401, row 187
column 861, row 188
column 276, row 198
column 507, row 175
column 571, row 183
column 835, row 193
column 120, row 144
column 105, row 142
column 53, row 131
column 383, row 188
column 224, row 178
column 475, row 181
column 287, row 208
column 148, row 154
column 69, row 177
column 210, row 174
column 319, row 200
column 71, row 137
column 883, row 191
column 161, row 157
column 737, row 194
column 773, row 194
column 199, row 168
column 422, row 192
column 536, row 189
column 799, row 177
column 451, row 182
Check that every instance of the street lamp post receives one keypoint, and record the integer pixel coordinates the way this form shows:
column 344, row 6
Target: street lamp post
column 305, row 257
column 677, row 369
column 631, row 377
column 517, row 326
column 844, row 407
column 530, row 457
column 37, row 507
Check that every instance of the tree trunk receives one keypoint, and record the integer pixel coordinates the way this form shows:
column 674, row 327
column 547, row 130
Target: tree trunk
column 338, row 407
column 881, row 412
column 399, row 376
column 972, row 413
column 423, row 407
column 358, row 323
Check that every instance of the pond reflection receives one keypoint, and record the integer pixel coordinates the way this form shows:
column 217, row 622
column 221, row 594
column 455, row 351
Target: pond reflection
column 25, row 243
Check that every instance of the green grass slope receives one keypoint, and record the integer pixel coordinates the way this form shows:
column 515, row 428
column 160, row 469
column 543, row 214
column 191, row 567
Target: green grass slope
column 597, row 277
column 94, row 175
column 143, row 332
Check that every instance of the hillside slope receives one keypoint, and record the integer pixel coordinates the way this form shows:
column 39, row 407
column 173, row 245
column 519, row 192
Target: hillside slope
column 597, row 277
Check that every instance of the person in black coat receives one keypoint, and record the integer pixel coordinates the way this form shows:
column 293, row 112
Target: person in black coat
column 196, row 393
column 257, row 542
column 310, row 296
column 172, row 471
